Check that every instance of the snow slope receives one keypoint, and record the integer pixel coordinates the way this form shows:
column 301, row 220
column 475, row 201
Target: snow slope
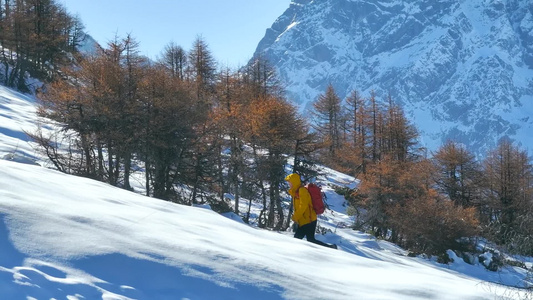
column 17, row 114
column 66, row 237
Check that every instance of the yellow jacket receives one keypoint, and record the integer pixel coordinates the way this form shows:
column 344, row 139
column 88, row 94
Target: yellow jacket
column 301, row 199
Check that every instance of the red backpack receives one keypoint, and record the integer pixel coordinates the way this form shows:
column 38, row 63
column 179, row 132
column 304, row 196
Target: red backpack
column 316, row 198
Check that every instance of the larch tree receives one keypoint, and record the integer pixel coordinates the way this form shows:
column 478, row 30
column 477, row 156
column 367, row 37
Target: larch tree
column 262, row 78
column 168, row 117
column 375, row 128
column 353, row 157
column 388, row 181
column 34, row 36
column 233, row 96
column 508, row 190
column 174, row 58
column 459, row 175
column 327, row 113
column 273, row 128
column 398, row 134
column 133, row 74
column 67, row 103
column 355, row 107
column 202, row 69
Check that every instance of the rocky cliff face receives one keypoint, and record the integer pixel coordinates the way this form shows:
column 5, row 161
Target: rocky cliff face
column 462, row 69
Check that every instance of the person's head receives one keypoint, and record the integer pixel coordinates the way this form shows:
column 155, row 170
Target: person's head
column 293, row 180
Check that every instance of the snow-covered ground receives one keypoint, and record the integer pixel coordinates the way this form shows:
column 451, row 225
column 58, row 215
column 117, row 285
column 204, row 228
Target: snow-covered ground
column 66, row 237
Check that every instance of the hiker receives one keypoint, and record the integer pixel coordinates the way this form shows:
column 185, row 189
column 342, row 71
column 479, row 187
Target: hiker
column 304, row 215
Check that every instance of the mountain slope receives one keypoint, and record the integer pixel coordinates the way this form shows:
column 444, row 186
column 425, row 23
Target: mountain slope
column 462, row 70
column 67, row 237
column 17, row 114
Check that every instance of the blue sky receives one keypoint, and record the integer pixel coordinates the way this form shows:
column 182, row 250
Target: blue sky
column 232, row 28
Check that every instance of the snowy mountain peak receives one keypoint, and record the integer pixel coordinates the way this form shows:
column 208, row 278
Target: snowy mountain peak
column 462, row 70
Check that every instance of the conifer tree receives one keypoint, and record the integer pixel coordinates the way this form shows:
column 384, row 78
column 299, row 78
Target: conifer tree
column 458, row 175
column 355, row 111
column 73, row 102
column 388, row 182
column 233, row 97
column 36, row 35
column 262, row 78
column 398, row 134
column 98, row 99
column 354, row 158
column 327, row 111
column 273, row 127
column 202, row 68
column 133, row 74
column 375, row 115
column 509, row 190
column 168, row 117
column 174, row 58
column 76, row 34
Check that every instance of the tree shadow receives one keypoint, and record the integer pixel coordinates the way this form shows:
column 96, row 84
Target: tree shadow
column 146, row 279
column 116, row 276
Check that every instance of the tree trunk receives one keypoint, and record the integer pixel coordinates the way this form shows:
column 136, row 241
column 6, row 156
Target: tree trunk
column 147, row 177
column 127, row 170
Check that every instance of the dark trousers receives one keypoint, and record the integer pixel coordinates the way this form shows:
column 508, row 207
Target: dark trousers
column 308, row 230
